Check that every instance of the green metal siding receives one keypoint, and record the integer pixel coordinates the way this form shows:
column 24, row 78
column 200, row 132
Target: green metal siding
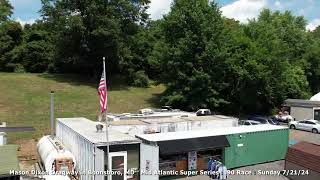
column 256, row 147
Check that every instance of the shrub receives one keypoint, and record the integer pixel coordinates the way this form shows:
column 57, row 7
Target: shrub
column 19, row 68
column 140, row 79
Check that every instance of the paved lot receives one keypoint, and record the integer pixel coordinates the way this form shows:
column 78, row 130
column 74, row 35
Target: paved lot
column 296, row 135
column 253, row 170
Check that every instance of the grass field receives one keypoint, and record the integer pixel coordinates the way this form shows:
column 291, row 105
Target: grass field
column 25, row 100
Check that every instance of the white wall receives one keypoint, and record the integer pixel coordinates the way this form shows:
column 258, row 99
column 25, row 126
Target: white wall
column 99, row 162
column 301, row 113
column 83, row 150
column 149, row 153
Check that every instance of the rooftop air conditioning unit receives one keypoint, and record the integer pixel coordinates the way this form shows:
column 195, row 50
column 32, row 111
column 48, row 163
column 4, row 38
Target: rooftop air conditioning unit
column 99, row 127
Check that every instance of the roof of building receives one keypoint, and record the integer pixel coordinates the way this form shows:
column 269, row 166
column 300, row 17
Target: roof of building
column 301, row 103
column 87, row 129
column 155, row 114
column 159, row 120
column 204, row 133
column 17, row 129
column 315, row 97
column 307, row 147
column 9, row 160
column 305, row 154
column 208, row 118
column 193, row 144
column 128, row 122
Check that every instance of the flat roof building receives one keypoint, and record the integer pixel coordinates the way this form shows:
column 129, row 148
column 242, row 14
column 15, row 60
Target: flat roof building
column 187, row 144
column 88, row 145
column 302, row 109
column 234, row 146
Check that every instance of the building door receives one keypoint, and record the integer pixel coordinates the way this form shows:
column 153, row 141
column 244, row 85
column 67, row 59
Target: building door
column 192, row 160
column 118, row 162
column 316, row 114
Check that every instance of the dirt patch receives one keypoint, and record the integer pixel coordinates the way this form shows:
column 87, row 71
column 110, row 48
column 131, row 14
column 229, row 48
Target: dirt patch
column 27, row 153
column 4, row 109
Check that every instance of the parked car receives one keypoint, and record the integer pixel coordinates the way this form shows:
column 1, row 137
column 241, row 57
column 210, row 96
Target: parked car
column 307, row 125
column 264, row 120
column 284, row 117
column 203, row 112
column 248, row 122
column 146, row 111
column 169, row 108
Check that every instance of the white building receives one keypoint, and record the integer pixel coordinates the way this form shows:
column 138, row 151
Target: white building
column 3, row 135
column 172, row 150
column 88, row 145
column 301, row 109
column 316, row 97
column 138, row 146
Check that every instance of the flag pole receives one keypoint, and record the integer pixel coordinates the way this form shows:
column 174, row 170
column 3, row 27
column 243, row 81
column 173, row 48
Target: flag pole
column 105, row 114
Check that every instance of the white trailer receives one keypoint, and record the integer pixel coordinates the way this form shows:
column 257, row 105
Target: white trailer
column 88, row 145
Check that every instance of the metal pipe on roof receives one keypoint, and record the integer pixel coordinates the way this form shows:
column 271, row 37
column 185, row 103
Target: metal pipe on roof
column 52, row 113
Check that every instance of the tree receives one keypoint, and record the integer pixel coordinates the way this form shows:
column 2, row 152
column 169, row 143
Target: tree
column 138, row 64
column 10, row 37
column 316, row 33
column 312, row 57
column 208, row 61
column 35, row 52
column 5, row 10
column 191, row 55
column 85, row 31
column 266, row 63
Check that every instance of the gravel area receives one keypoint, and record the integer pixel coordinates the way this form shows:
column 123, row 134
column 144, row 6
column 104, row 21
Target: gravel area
column 296, row 135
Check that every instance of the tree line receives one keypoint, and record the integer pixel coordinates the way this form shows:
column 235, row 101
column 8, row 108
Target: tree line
column 204, row 59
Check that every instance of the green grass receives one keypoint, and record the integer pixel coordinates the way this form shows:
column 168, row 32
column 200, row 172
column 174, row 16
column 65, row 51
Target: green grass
column 25, row 100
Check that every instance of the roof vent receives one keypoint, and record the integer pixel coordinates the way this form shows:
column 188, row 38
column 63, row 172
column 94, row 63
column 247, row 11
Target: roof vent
column 99, row 127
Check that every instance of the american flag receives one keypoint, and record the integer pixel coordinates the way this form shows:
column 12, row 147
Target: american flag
column 102, row 91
